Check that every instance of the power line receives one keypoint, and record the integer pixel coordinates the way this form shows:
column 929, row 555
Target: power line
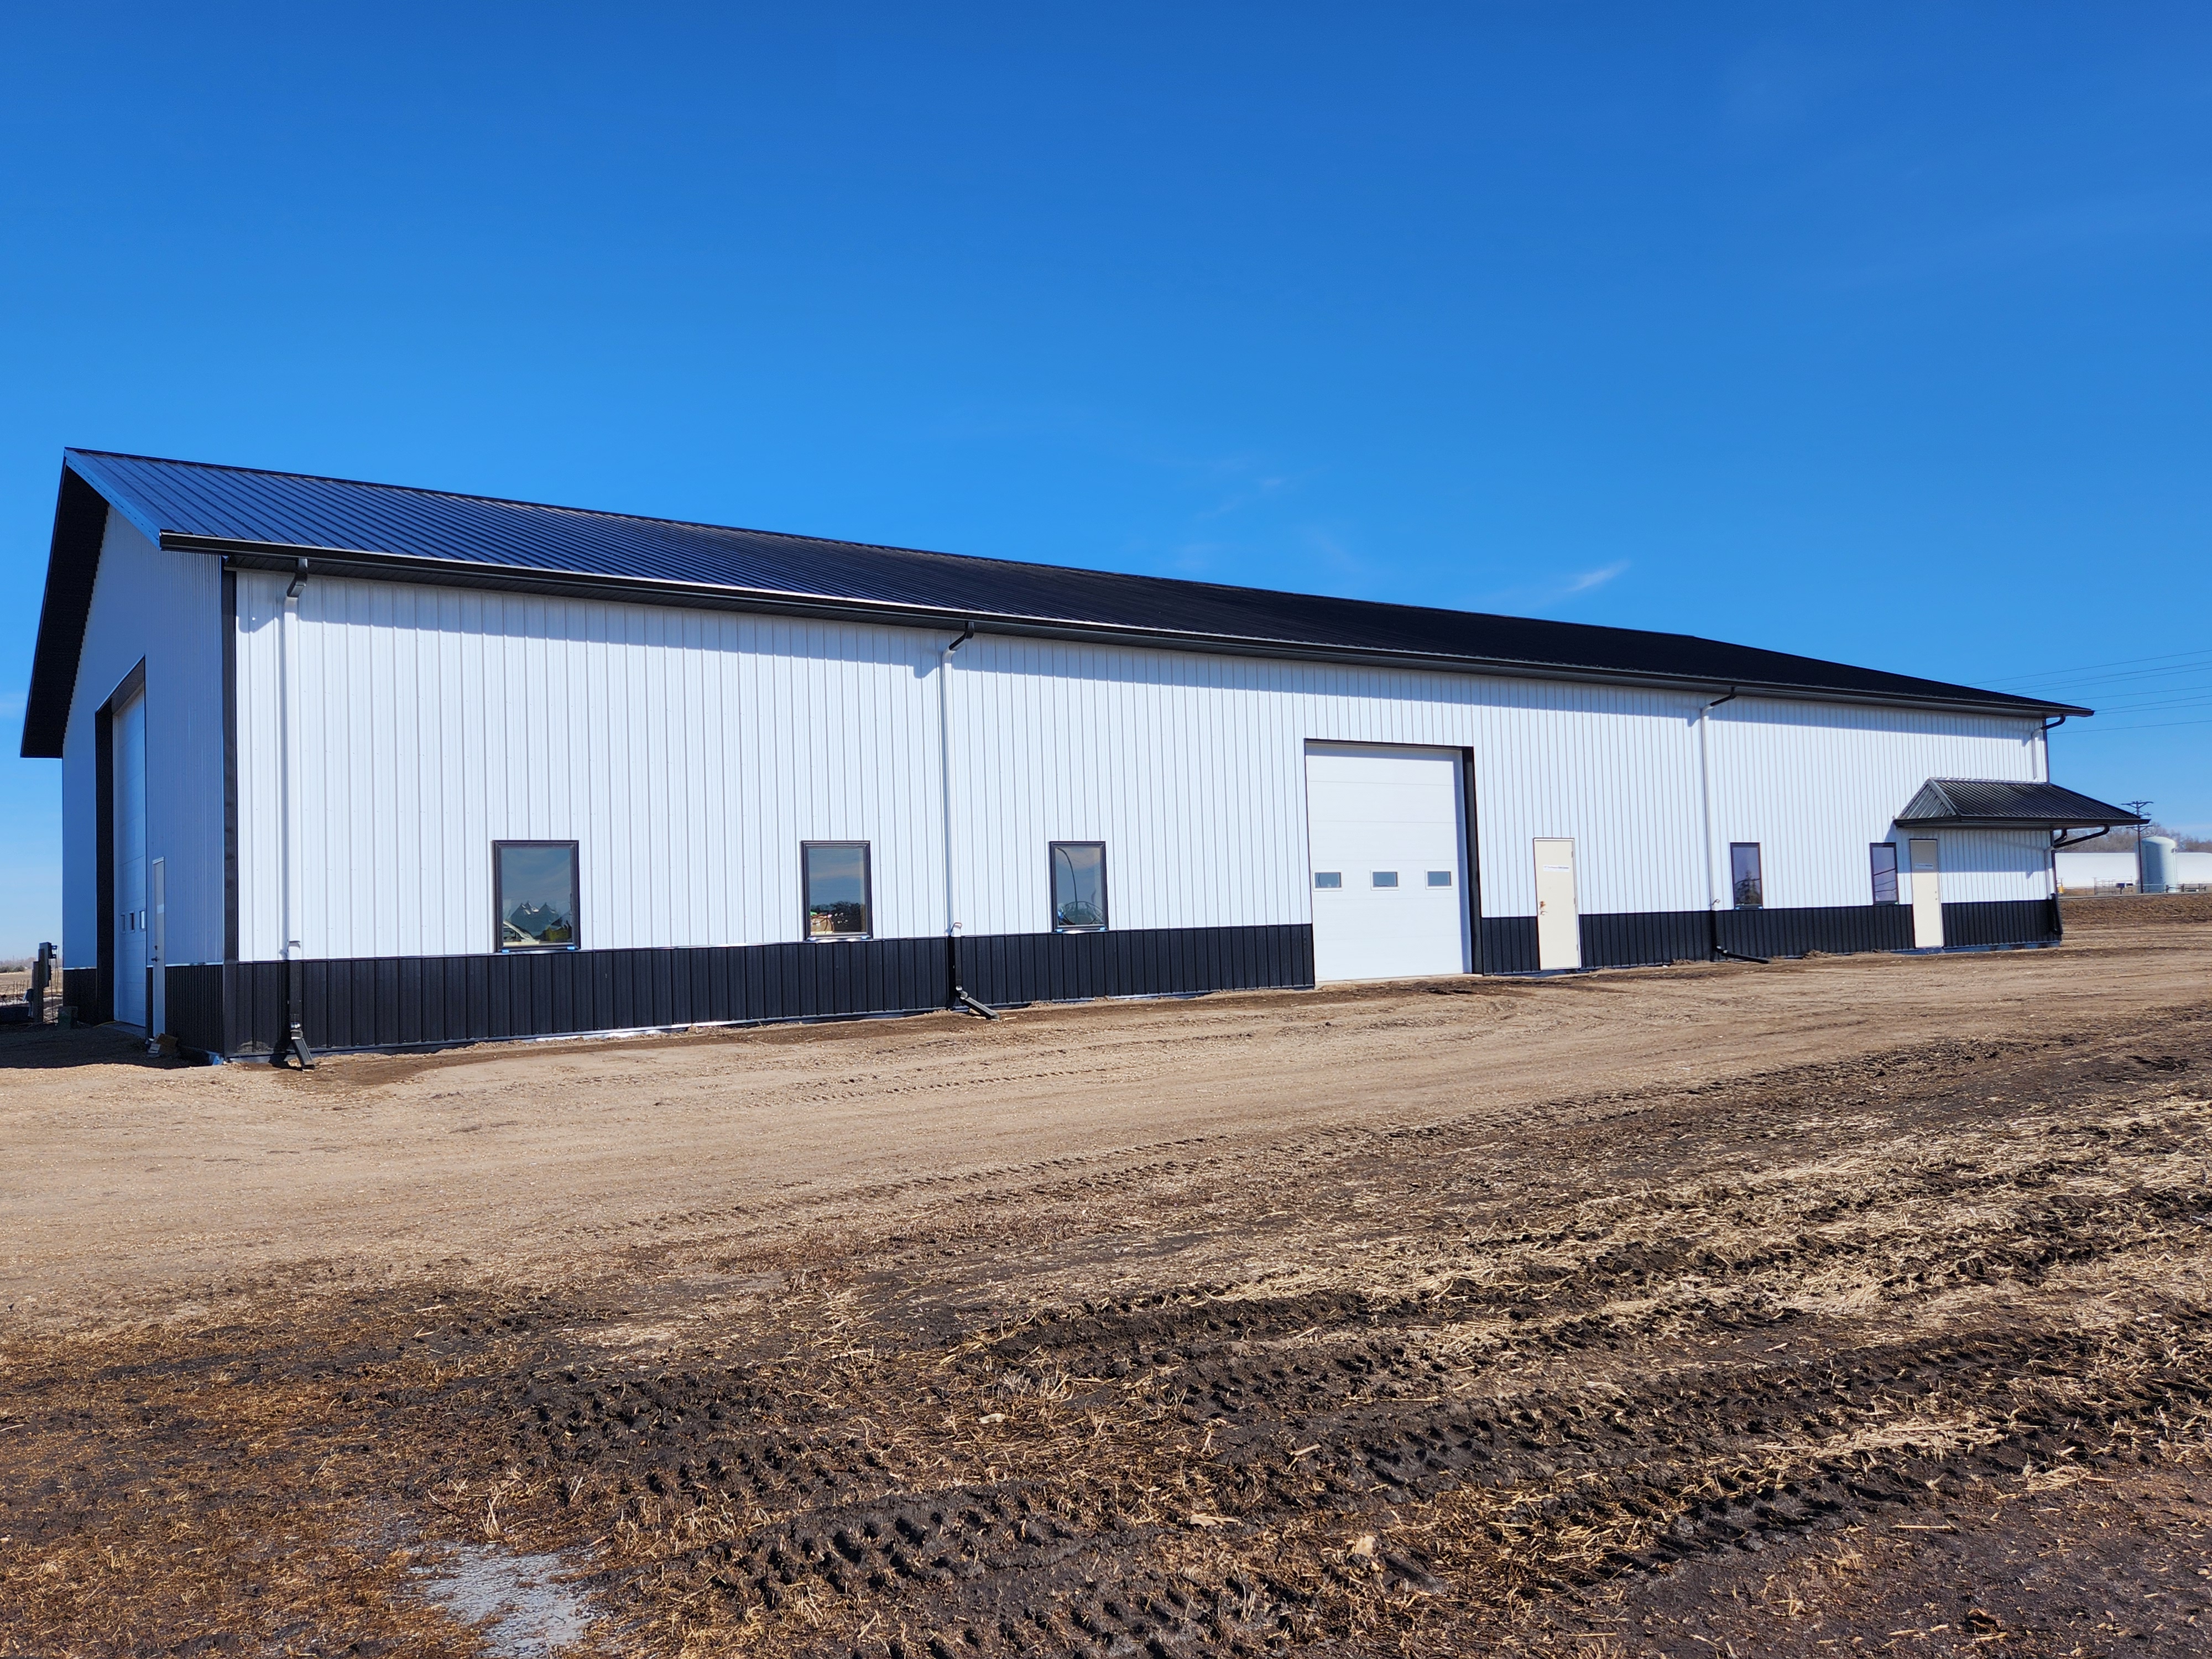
column 2091, row 667
column 2149, row 725
column 2151, row 674
column 2137, row 705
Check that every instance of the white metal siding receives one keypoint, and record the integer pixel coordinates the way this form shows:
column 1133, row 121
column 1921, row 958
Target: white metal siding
column 691, row 752
column 1815, row 784
column 166, row 608
column 1191, row 769
column 1188, row 766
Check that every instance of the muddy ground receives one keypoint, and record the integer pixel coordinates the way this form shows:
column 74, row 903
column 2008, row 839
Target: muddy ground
column 1851, row 1304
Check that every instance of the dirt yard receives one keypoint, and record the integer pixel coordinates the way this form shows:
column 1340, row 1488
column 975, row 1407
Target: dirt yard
column 1858, row 1303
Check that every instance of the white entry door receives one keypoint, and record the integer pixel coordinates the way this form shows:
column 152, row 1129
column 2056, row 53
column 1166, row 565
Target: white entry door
column 1927, row 894
column 1387, row 826
column 128, row 735
column 1559, row 914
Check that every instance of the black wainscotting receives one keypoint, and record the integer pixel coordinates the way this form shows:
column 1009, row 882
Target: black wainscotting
column 1838, row 929
column 193, row 1001
column 1646, row 939
column 2010, row 921
column 395, row 1002
column 1654, row 938
column 1509, row 945
column 81, row 991
column 1008, row 968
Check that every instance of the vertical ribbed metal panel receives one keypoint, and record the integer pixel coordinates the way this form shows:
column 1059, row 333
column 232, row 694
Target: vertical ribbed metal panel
column 1814, row 784
column 689, row 752
column 1188, row 768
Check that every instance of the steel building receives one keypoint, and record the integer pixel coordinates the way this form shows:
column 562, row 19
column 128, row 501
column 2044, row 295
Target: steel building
column 377, row 766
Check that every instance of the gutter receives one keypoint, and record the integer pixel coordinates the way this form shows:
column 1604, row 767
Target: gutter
column 461, row 573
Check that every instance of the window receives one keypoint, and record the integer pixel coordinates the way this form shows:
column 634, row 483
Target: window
column 1743, row 875
column 1439, row 878
column 534, row 894
column 1883, row 854
column 1328, row 877
column 1386, row 878
column 835, row 874
column 1078, row 886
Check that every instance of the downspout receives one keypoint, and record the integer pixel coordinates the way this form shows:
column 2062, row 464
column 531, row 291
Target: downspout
column 1706, row 822
column 293, row 1044
column 2058, row 837
column 960, row 999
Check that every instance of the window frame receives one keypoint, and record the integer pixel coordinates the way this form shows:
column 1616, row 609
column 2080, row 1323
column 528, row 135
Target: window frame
column 867, row 893
column 499, row 944
column 1375, row 883
column 1759, row 862
column 1329, row 881
column 1052, row 898
column 1896, row 868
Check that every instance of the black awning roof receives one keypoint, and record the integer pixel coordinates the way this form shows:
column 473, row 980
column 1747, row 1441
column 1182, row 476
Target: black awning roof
column 1992, row 804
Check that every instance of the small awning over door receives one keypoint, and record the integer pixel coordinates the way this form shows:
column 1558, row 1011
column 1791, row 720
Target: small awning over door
column 1992, row 804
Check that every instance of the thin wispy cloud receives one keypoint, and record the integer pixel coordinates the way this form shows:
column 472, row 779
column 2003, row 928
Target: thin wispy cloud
column 1590, row 579
column 1534, row 599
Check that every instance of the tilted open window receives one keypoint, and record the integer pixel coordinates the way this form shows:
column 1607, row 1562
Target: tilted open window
column 535, row 895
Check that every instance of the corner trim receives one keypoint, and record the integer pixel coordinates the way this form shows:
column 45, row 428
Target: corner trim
column 230, row 622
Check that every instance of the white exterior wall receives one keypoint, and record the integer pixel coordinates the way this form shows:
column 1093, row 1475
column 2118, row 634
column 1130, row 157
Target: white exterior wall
column 1814, row 784
column 167, row 609
column 1192, row 769
column 690, row 752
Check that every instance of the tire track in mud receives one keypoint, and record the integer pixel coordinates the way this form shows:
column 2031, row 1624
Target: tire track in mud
column 1622, row 1384
column 1374, row 1390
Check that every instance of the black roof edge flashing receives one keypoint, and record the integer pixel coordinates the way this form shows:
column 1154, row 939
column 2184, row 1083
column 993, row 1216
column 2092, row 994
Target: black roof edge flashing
column 72, row 566
column 450, row 572
column 82, row 507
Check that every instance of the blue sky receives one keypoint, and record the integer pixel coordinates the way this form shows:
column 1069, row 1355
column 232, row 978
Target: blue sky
column 1882, row 336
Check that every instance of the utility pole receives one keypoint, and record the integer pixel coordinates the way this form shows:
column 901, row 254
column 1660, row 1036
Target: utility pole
column 2136, row 807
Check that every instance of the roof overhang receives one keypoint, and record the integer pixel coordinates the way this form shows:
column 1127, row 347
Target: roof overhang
column 72, row 565
column 454, row 573
column 87, row 495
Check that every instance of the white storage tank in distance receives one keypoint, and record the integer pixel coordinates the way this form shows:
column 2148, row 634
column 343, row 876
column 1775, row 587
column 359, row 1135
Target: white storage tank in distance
column 2158, row 862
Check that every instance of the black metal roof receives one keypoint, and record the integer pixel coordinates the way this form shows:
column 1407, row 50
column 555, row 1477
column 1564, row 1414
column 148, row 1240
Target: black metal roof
column 270, row 519
column 1991, row 804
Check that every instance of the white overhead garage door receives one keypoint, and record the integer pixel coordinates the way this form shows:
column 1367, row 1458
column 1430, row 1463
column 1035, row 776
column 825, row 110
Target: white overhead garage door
column 1386, row 826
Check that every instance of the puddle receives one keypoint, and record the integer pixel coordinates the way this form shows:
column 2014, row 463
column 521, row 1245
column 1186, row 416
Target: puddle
column 515, row 1603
